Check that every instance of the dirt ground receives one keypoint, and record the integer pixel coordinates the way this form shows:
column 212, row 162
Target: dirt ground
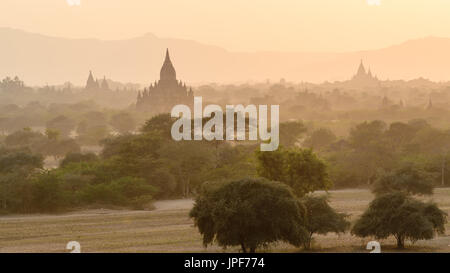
column 168, row 228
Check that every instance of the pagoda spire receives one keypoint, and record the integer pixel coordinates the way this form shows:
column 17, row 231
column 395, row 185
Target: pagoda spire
column 361, row 69
column 90, row 84
column 167, row 55
column 168, row 74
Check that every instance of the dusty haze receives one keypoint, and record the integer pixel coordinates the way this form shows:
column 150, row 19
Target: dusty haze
column 42, row 59
column 50, row 41
column 250, row 25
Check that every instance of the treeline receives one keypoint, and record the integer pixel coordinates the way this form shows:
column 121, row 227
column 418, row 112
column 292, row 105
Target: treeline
column 373, row 148
column 16, row 91
column 85, row 121
column 134, row 169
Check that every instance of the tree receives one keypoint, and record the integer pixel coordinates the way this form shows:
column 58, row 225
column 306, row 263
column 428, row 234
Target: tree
column 300, row 169
column 135, row 192
column 14, row 159
column 92, row 128
column 47, row 193
column 25, row 138
column 321, row 218
column 401, row 216
column 92, row 135
column 399, row 134
column 62, row 124
column 408, row 179
column 56, row 147
column 16, row 167
column 123, row 123
column 320, row 139
column 77, row 158
column 124, row 191
column 161, row 124
column 290, row 132
column 249, row 213
column 133, row 155
column 52, row 135
column 188, row 161
column 370, row 151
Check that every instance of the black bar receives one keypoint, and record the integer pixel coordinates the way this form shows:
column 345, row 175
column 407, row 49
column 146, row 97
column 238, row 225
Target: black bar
column 292, row 262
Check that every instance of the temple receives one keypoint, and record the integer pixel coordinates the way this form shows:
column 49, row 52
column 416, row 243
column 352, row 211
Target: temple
column 92, row 84
column 363, row 78
column 162, row 95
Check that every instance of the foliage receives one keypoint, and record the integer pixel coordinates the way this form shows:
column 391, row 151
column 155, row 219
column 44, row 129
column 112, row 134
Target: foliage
column 123, row 122
column 77, row 158
column 92, row 128
column 249, row 213
column 125, row 191
column 25, row 138
column 47, row 194
column 320, row 139
column 401, row 216
column 290, row 132
column 59, row 148
column 62, row 124
column 161, row 124
column 300, row 169
column 321, row 218
column 408, row 179
column 15, row 159
column 16, row 168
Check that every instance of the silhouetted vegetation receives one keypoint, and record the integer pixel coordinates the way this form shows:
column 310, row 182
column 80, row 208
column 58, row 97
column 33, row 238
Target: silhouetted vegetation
column 249, row 213
column 401, row 216
column 321, row 218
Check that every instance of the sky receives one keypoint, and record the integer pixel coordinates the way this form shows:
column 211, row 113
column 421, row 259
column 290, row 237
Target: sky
column 238, row 25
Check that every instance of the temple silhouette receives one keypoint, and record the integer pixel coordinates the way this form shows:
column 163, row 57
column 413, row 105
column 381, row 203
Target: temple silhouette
column 162, row 95
column 93, row 84
column 363, row 78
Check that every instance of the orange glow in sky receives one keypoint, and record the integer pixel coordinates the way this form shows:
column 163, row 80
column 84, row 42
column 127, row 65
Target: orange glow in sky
column 250, row 25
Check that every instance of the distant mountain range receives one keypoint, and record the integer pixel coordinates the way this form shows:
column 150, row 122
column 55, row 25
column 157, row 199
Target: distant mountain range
column 39, row 59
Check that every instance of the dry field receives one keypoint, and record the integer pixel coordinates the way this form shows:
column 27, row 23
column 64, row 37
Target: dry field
column 169, row 229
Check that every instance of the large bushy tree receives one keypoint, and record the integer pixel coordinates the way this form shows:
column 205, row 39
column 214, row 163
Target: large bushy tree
column 249, row 213
column 321, row 218
column 300, row 169
column 401, row 216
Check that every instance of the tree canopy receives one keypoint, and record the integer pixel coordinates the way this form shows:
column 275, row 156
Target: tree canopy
column 321, row 218
column 249, row 213
column 401, row 216
column 300, row 169
column 408, row 179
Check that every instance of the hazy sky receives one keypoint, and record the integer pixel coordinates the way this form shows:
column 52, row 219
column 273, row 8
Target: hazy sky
column 249, row 25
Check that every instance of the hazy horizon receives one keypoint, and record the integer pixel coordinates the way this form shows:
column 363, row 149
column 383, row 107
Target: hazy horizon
column 150, row 33
column 39, row 59
column 285, row 25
